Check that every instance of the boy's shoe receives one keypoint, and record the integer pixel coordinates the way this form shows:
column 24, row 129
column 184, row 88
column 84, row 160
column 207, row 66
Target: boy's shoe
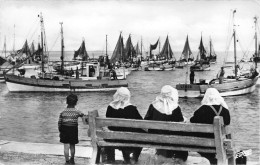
column 72, row 161
column 67, row 162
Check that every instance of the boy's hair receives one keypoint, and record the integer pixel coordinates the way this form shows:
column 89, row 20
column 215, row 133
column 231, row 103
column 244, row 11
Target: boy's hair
column 72, row 99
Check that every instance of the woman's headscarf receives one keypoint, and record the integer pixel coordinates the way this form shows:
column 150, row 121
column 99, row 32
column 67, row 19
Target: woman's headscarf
column 167, row 101
column 121, row 98
column 212, row 97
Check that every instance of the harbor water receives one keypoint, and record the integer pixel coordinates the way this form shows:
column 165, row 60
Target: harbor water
column 33, row 117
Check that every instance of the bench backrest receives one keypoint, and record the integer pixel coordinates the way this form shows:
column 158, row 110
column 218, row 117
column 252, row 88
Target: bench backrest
column 219, row 144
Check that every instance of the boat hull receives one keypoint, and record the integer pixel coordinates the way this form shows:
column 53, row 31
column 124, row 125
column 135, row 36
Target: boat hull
column 22, row 84
column 232, row 88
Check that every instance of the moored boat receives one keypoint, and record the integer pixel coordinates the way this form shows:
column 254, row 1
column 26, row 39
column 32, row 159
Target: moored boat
column 202, row 62
column 212, row 58
column 186, row 57
column 87, row 78
column 230, row 87
column 52, row 83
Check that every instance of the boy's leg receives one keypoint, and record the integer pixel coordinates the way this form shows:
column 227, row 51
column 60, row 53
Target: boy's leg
column 72, row 153
column 66, row 151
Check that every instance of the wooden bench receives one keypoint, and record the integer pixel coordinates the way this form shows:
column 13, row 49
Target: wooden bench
column 221, row 145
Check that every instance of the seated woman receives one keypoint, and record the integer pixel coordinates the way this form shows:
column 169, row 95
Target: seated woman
column 212, row 105
column 121, row 107
column 166, row 108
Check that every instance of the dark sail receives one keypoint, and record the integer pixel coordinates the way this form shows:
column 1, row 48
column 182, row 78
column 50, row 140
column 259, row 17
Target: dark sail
column 25, row 50
column 118, row 53
column 166, row 52
column 212, row 54
column 81, row 52
column 32, row 49
column 38, row 53
column 152, row 47
column 202, row 52
column 137, row 50
column 258, row 51
column 129, row 50
column 186, row 54
column 2, row 60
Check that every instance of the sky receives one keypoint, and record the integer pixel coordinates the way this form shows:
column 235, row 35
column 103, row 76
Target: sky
column 146, row 19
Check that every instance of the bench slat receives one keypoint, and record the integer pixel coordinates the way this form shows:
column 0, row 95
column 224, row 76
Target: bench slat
column 179, row 148
column 161, row 125
column 156, row 138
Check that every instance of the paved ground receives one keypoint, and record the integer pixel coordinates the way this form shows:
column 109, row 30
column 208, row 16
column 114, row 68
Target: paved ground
column 23, row 153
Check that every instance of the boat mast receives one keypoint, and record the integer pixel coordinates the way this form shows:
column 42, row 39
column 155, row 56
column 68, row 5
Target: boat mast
column 210, row 48
column 234, row 35
column 131, row 54
column 62, row 49
column 42, row 31
column 14, row 39
column 121, row 50
column 5, row 46
column 141, row 47
column 106, row 45
column 159, row 49
column 168, row 47
column 255, row 41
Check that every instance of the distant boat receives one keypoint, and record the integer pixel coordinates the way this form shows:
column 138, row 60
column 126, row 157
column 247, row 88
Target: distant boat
column 167, row 56
column 119, row 52
column 79, row 59
column 2, row 69
column 202, row 62
column 81, row 54
column 232, row 85
column 130, row 53
column 89, row 78
column 186, row 55
column 166, row 59
column 212, row 58
column 256, row 55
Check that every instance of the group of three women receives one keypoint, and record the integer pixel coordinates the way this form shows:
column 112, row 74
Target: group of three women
column 164, row 108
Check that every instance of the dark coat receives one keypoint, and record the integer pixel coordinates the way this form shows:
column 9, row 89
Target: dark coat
column 205, row 115
column 154, row 114
column 176, row 116
column 129, row 112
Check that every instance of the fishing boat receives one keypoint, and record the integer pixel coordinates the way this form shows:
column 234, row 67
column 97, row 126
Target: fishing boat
column 186, row 57
column 212, row 58
column 2, row 61
column 119, row 60
column 167, row 56
column 232, row 85
column 83, row 80
column 166, row 60
column 256, row 55
column 80, row 57
column 2, row 68
column 202, row 62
